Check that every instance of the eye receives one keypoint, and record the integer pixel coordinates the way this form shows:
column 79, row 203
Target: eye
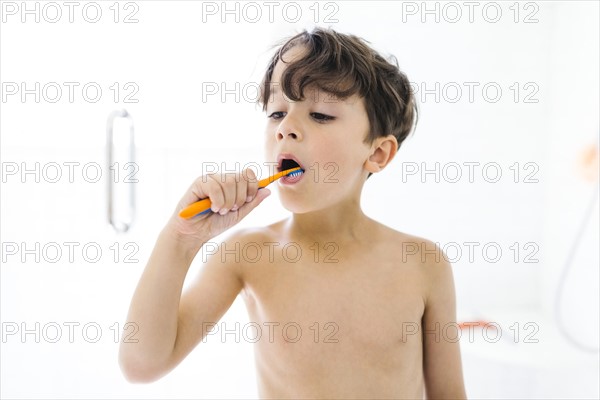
column 276, row 115
column 322, row 117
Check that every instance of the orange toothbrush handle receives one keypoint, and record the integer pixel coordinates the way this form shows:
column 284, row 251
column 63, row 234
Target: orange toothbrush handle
column 195, row 208
column 265, row 182
column 202, row 206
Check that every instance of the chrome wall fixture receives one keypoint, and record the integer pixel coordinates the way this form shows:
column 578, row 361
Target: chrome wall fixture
column 121, row 170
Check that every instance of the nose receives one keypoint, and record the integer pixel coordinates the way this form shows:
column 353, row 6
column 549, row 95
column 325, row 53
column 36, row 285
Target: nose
column 290, row 135
column 289, row 128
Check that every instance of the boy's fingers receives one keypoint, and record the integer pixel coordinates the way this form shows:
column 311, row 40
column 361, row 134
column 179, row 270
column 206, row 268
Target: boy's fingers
column 203, row 187
column 246, row 208
column 227, row 192
column 252, row 184
column 230, row 191
column 198, row 189
column 215, row 193
column 240, row 197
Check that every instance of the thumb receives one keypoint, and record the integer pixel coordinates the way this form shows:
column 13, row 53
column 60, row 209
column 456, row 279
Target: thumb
column 248, row 207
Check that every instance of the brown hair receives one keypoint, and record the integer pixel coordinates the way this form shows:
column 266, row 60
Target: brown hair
column 344, row 65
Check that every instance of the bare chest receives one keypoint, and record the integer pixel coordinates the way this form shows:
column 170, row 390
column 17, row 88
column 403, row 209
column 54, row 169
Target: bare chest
column 355, row 312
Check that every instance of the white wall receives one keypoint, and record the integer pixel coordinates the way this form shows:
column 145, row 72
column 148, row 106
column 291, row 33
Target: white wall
column 170, row 53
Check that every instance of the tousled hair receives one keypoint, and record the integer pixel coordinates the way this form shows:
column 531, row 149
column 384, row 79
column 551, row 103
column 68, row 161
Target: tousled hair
column 343, row 65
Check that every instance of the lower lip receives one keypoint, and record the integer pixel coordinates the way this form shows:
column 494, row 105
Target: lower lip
column 291, row 180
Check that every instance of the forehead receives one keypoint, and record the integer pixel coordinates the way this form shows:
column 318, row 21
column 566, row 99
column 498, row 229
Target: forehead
column 291, row 55
column 311, row 93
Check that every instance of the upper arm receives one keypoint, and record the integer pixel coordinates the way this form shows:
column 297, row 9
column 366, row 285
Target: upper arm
column 442, row 360
column 209, row 295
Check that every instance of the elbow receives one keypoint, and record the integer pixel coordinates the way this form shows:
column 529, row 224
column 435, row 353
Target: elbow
column 138, row 375
column 138, row 370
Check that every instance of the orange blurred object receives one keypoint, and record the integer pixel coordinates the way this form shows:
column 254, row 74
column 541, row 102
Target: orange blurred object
column 468, row 324
column 588, row 163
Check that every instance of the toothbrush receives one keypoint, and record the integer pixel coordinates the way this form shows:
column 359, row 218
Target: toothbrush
column 202, row 206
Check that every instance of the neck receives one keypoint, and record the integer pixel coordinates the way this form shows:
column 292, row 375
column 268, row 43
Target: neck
column 340, row 223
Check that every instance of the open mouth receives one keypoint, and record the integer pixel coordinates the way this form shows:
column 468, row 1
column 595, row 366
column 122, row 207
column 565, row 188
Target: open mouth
column 288, row 163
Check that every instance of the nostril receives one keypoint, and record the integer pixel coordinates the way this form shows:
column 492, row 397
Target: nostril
column 293, row 135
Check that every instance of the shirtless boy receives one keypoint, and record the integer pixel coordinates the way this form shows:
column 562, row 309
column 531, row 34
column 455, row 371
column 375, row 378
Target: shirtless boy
column 372, row 315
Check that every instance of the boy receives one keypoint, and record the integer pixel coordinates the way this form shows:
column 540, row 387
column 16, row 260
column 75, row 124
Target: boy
column 347, row 312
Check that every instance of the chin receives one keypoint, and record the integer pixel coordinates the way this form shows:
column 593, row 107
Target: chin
column 296, row 205
column 296, row 208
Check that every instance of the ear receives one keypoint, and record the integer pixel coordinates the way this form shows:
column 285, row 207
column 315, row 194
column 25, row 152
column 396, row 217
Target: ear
column 383, row 151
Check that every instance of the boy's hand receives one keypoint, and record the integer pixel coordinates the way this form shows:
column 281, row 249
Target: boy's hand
column 233, row 196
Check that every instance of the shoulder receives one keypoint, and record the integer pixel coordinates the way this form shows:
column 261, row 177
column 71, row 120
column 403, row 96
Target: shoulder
column 238, row 247
column 434, row 269
column 412, row 249
column 425, row 257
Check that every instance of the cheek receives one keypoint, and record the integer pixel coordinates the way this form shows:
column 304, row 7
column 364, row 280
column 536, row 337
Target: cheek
column 343, row 152
column 337, row 164
column 268, row 140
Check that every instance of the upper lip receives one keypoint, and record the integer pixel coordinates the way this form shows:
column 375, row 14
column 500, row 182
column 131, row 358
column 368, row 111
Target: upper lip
column 288, row 156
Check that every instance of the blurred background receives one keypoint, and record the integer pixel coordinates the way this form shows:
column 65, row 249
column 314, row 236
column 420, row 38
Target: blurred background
column 110, row 109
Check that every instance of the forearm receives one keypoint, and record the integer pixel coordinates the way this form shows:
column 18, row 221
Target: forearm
column 155, row 305
column 167, row 325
